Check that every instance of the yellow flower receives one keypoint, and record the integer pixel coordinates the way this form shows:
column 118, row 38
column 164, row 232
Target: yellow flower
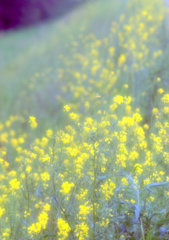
column 132, row 201
column 14, row 184
column 63, row 229
column 32, row 122
column 66, row 187
column 28, row 169
column 160, row 90
column 46, row 207
column 152, row 199
column 121, row 60
column 82, row 230
column 45, row 176
column 107, row 189
column 6, row 233
column 118, row 99
column 126, row 86
column 166, row 110
column 2, row 210
column 49, row 133
column 84, row 210
column 138, row 168
column 35, row 228
column 146, row 181
column 124, row 181
column 43, row 219
column 74, row 116
column 67, row 108
column 165, row 98
column 155, row 111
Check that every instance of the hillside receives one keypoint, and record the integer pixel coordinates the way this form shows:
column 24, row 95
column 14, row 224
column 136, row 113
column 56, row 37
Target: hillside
column 30, row 52
column 84, row 132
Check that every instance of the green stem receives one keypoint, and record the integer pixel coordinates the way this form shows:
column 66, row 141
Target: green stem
column 94, row 198
column 142, row 229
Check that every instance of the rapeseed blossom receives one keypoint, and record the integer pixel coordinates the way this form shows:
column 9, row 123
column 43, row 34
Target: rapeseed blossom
column 66, row 187
column 32, row 122
column 104, row 172
column 14, row 184
column 63, row 229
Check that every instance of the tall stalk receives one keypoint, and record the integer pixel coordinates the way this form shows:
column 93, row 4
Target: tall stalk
column 94, row 195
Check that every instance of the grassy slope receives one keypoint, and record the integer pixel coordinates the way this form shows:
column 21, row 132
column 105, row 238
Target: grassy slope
column 27, row 52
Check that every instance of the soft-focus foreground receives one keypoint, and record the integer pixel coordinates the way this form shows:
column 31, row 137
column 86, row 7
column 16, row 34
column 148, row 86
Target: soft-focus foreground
column 84, row 153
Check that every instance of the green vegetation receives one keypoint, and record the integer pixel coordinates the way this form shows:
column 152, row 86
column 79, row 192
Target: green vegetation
column 84, row 132
column 37, row 50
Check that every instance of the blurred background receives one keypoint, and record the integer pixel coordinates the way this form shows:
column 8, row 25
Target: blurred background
column 40, row 52
column 20, row 13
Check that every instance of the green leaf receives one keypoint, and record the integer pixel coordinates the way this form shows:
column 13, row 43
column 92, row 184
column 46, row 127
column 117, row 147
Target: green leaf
column 162, row 222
